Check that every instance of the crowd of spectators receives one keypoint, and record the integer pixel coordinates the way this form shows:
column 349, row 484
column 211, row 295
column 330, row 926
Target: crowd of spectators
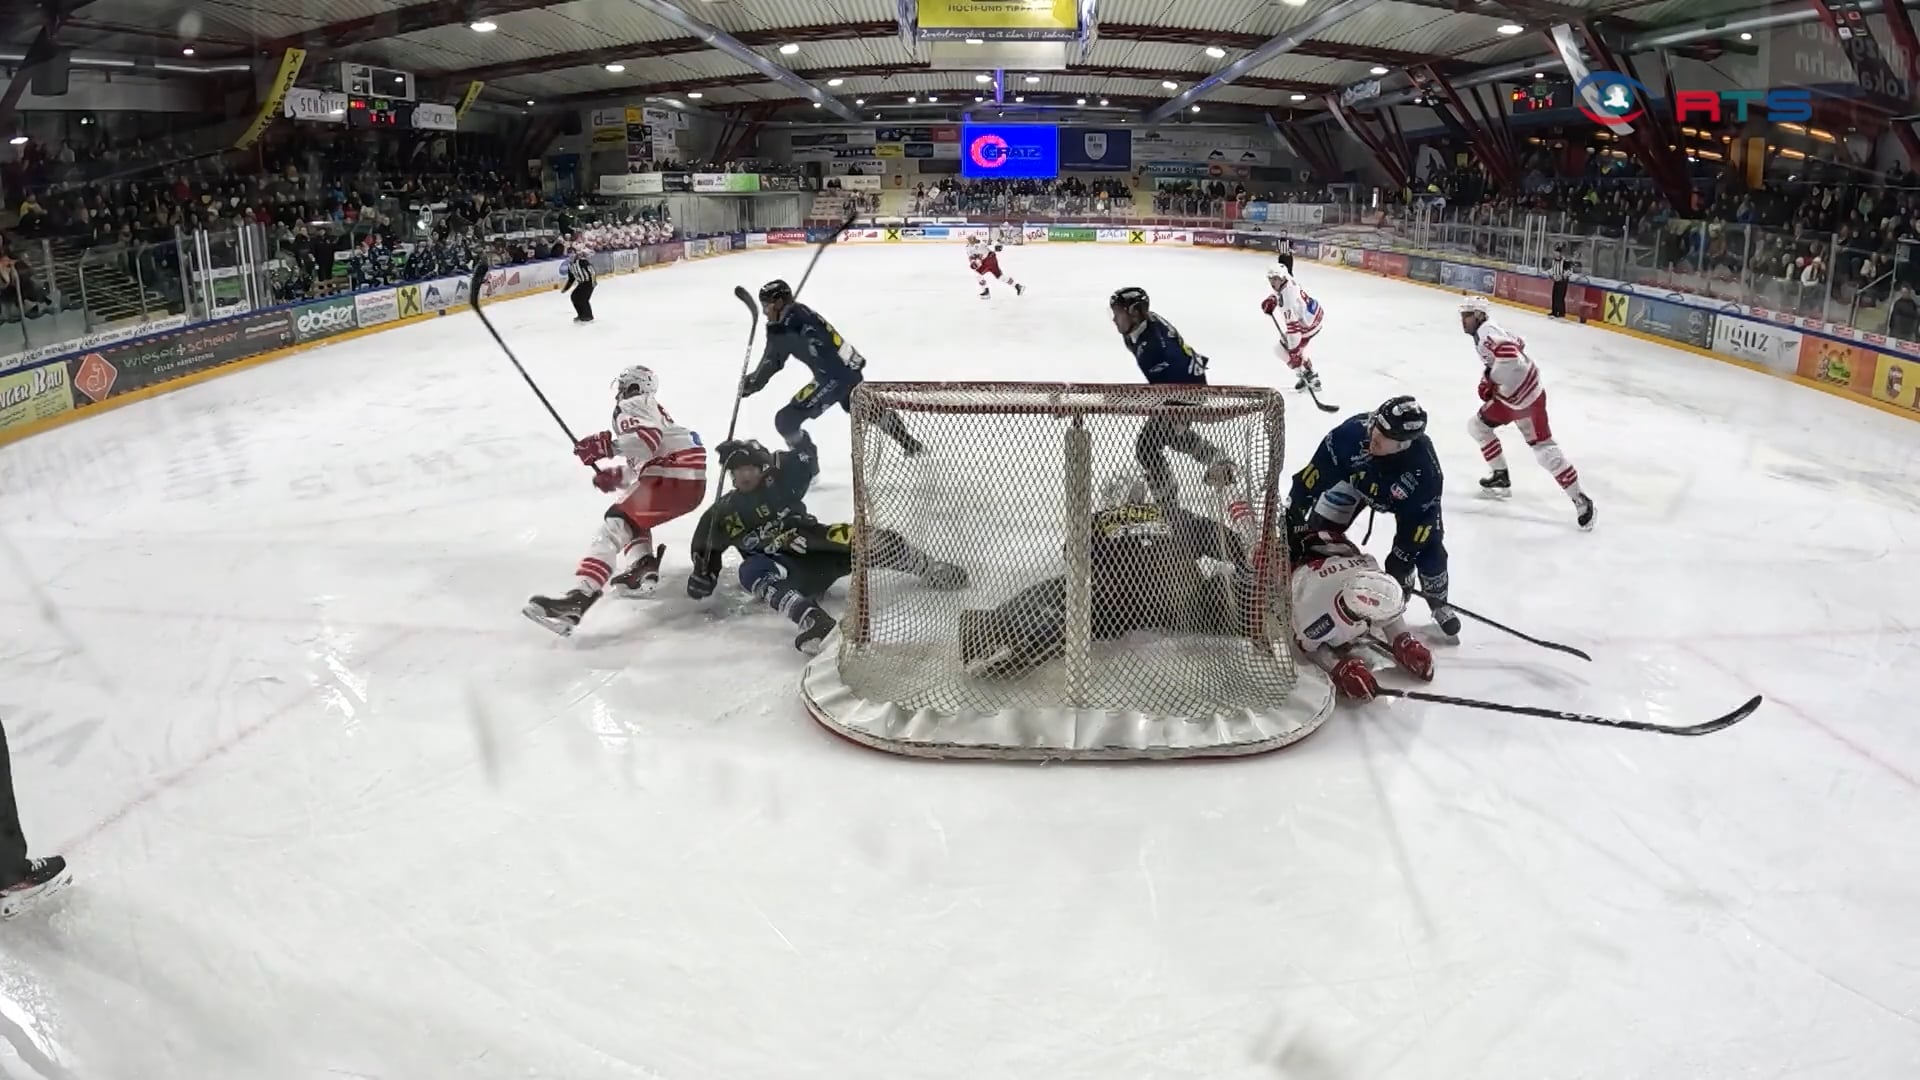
column 952, row 195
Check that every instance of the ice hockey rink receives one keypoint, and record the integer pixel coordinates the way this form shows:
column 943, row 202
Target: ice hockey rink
column 337, row 810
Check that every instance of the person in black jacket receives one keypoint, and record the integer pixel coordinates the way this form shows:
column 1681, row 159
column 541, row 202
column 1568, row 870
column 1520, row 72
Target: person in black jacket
column 580, row 280
column 1903, row 318
column 23, row 881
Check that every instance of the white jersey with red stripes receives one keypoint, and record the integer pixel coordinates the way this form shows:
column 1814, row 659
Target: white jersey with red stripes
column 645, row 435
column 1516, row 382
column 1299, row 314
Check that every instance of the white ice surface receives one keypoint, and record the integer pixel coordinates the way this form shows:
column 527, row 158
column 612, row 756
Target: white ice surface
column 338, row 810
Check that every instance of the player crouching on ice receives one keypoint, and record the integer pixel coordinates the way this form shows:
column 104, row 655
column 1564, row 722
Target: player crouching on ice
column 1298, row 317
column 663, row 474
column 788, row 558
column 1342, row 601
column 984, row 261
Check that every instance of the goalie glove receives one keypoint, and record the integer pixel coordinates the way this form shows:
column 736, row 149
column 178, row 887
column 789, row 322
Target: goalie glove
column 594, row 448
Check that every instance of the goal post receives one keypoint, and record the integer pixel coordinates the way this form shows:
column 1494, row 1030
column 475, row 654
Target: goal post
column 1126, row 576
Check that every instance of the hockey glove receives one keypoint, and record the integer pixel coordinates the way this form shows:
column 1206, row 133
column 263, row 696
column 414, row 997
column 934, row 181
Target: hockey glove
column 607, row 480
column 1353, row 680
column 1268, row 305
column 1413, row 656
column 755, row 382
column 595, row 448
column 700, row 584
column 1296, row 358
column 1486, row 388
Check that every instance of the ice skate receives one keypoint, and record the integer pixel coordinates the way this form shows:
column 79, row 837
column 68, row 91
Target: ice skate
column 44, row 878
column 1583, row 507
column 815, row 625
column 640, row 579
column 1446, row 619
column 984, row 293
column 1499, row 485
column 559, row 615
column 1019, row 289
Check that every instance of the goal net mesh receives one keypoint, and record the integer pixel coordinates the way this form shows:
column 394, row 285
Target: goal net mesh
column 1108, row 567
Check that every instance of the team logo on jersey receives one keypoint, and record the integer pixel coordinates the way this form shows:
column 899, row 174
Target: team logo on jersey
column 1319, row 628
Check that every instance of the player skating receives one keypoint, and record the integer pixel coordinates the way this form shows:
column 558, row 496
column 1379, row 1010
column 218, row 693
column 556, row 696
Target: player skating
column 796, row 332
column 984, row 260
column 789, row 558
column 1153, row 566
column 1510, row 392
column 1343, row 602
column 1298, row 316
column 1166, row 360
column 1381, row 461
column 661, row 473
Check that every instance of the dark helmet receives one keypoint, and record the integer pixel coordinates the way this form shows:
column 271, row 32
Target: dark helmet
column 775, row 290
column 1133, row 298
column 737, row 452
column 1400, row 419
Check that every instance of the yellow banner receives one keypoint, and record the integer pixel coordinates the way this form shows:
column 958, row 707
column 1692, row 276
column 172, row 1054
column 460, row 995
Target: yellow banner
column 472, row 95
column 276, row 96
column 999, row 14
column 1896, row 381
column 1614, row 308
column 890, row 150
column 408, row 301
column 34, row 395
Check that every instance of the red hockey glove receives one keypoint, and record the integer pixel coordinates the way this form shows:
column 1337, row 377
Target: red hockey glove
column 1353, row 680
column 1413, row 656
column 594, row 449
column 607, row 480
column 1296, row 358
column 1486, row 388
column 1269, row 304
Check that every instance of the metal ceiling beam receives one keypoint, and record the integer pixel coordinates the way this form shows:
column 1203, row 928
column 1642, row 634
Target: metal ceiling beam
column 53, row 16
column 716, row 38
column 1122, row 105
column 607, row 54
column 1259, row 57
column 1324, row 50
column 882, row 71
column 407, row 20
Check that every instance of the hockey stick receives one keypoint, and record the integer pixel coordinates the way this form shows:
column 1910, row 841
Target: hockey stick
column 1706, row 727
column 473, row 300
column 1317, row 403
column 821, row 249
column 1479, row 618
column 741, row 294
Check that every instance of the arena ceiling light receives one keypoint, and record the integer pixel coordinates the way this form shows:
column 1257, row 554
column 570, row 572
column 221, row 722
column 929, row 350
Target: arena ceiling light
column 695, row 95
column 1377, row 70
column 1103, row 101
column 816, row 104
column 187, row 51
column 1511, row 29
column 1299, row 97
column 483, row 26
column 975, row 41
column 529, row 101
column 789, row 49
column 1031, row 79
column 911, row 100
column 1169, row 84
column 616, row 68
column 862, row 101
column 1196, row 108
column 931, row 98
column 1080, row 101
column 1216, row 52
column 1744, row 36
column 977, row 99
column 1020, row 100
column 17, row 140
column 983, row 78
column 1539, row 74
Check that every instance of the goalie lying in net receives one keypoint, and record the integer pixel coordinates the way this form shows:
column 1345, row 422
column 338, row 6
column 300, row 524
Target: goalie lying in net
column 1152, row 567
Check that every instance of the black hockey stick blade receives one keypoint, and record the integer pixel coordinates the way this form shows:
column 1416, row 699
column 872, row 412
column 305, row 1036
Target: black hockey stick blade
column 1479, row 618
column 1318, row 404
column 741, row 294
column 473, row 300
column 1706, row 727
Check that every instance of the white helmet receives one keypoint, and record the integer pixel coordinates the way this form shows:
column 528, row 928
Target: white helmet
column 1278, row 274
column 636, row 381
column 1371, row 597
column 1472, row 303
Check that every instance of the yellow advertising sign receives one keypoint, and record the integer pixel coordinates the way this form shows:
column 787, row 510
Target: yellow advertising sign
column 33, row 395
column 999, row 14
column 276, row 96
column 890, row 150
column 467, row 99
column 1615, row 309
column 1896, row 381
column 409, row 301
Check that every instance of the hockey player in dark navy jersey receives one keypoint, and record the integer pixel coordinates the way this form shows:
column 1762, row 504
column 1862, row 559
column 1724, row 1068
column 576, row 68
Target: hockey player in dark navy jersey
column 1381, row 461
column 797, row 332
column 1166, row 360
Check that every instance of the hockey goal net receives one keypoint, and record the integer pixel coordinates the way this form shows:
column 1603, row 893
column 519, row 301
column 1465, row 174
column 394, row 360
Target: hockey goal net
column 1114, row 606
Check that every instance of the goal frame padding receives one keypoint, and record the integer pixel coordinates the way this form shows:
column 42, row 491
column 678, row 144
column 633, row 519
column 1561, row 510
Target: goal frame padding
column 1033, row 733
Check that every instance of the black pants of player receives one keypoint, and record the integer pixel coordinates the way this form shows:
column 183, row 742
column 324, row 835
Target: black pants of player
column 583, row 302
column 1158, row 435
column 1559, row 300
column 13, row 844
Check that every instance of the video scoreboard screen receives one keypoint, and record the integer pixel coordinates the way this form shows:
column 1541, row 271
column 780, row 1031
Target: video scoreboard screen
column 1010, row 151
column 1541, row 95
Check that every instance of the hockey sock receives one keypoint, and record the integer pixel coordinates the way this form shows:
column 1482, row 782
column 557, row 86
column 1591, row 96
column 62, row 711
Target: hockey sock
column 783, row 598
column 596, row 566
column 1490, row 447
column 1547, row 453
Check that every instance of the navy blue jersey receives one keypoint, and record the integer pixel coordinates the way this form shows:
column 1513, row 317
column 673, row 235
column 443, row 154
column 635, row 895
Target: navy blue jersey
column 1343, row 477
column 744, row 519
column 1163, row 356
column 801, row 334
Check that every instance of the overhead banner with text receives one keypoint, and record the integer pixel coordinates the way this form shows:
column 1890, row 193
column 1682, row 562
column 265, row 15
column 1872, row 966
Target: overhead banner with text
column 999, row 20
column 276, row 95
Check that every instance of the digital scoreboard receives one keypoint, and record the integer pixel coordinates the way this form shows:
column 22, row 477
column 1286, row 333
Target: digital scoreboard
column 1541, row 95
column 373, row 112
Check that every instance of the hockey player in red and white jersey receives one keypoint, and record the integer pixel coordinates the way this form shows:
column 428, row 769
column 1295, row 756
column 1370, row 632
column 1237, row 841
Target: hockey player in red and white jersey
column 1298, row 316
column 659, row 473
column 984, row 260
column 1341, row 601
column 1510, row 392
